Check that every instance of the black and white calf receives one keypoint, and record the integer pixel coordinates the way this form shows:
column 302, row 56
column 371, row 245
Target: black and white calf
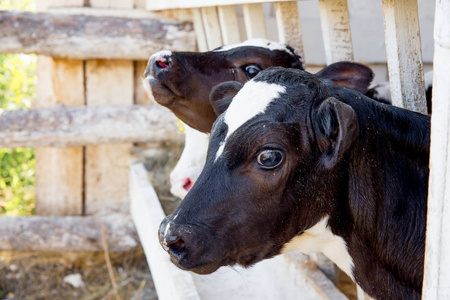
column 298, row 163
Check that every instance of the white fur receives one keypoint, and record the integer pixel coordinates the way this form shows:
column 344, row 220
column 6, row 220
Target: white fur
column 319, row 238
column 161, row 53
column 263, row 43
column 191, row 162
column 428, row 79
column 251, row 100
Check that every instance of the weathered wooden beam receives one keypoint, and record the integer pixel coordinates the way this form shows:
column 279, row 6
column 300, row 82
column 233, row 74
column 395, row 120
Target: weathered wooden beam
column 63, row 126
column 175, row 4
column 67, row 234
column 89, row 37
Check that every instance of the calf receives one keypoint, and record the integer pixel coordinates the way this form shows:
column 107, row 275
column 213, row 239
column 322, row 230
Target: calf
column 298, row 163
column 182, row 81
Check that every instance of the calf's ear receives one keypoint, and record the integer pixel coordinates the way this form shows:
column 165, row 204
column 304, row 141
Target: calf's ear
column 221, row 95
column 336, row 127
column 348, row 74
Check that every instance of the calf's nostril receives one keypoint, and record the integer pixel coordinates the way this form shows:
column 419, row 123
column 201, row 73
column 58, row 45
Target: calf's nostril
column 174, row 245
column 162, row 62
column 187, row 184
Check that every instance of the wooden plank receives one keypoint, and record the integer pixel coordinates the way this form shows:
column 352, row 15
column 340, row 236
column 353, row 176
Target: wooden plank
column 254, row 21
column 199, row 29
column 73, row 36
column 176, row 4
column 211, row 26
column 67, row 234
column 404, row 54
column 111, row 3
column 59, row 174
column 336, row 30
column 106, row 166
column 66, row 3
column 64, row 126
column 288, row 23
column 436, row 283
column 171, row 283
column 229, row 24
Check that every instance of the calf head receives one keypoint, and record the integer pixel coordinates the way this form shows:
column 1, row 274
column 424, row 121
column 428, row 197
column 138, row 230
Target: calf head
column 182, row 81
column 347, row 74
column 269, row 174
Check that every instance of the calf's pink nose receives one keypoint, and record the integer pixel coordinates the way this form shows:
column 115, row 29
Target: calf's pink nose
column 187, row 184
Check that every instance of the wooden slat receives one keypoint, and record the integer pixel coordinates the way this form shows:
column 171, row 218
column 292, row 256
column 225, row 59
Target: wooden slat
column 254, row 21
column 404, row 54
column 59, row 184
column 66, row 3
column 74, row 37
column 106, row 166
column 68, row 233
column 288, row 23
column 199, row 29
column 112, row 3
column 336, row 30
column 211, row 26
column 229, row 24
column 437, row 254
column 174, row 4
column 63, row 126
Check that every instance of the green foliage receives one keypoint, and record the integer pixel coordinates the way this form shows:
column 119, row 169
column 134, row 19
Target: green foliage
column 17, row 5
column 17, row 89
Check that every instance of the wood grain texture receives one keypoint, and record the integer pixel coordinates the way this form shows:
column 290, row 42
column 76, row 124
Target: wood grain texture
column 65, row 126
column 336, row 30
column 106, row 166
column 229, row 24
column 288, row 22
column 211, row 26
column 254, row 21
column 59, row 174
column 88, row 37
column 404, row 54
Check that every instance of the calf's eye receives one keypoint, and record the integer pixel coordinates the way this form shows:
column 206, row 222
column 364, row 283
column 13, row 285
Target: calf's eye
column 270, row 159
column 252, row 70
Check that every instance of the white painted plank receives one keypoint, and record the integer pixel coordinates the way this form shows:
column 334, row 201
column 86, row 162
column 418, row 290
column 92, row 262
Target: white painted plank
column 199, row 29
column 211, row 26
column 173, row 4
column 336, row 30
column 437, row 253
column 171, row 283
column 288, row 23
column 229, row 24
column 404, row 54
column 254, row 21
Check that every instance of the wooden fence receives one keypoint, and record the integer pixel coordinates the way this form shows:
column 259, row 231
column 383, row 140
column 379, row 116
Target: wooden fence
column 88, row 179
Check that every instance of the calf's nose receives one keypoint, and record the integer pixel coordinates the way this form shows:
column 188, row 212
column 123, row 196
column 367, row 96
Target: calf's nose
column 157, row 62
column 170, row 239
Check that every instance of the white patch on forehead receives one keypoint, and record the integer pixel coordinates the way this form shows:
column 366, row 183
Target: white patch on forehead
column 319, row 238
column 263, row 43
column 251, row 100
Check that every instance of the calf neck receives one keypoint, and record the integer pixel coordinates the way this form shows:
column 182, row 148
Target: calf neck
column 297, row 162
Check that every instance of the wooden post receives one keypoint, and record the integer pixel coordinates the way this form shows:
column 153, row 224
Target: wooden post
column 229, row 24
column 436, row 283
column 106, row 166
column 211, row 26
column 404, row 54
column 336, row 30
column 288, row 21
column 59, row 173
column 254, row 21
